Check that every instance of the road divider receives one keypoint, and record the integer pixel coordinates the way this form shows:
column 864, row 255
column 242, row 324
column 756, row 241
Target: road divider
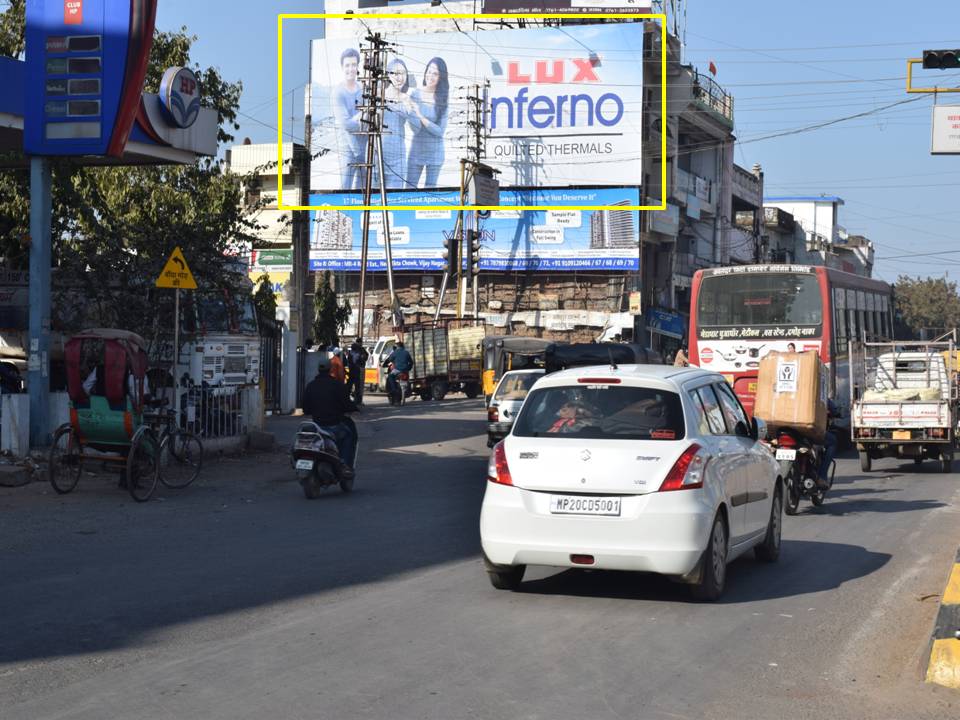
column 944, row 665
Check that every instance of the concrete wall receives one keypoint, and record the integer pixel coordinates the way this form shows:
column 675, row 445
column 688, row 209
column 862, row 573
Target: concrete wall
column 15, row 420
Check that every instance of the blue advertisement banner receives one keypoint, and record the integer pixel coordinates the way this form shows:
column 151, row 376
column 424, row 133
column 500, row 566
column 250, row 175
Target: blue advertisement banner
column 665, row 323
column 510, row 240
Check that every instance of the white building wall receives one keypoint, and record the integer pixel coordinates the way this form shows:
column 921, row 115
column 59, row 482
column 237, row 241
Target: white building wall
column 818, row 216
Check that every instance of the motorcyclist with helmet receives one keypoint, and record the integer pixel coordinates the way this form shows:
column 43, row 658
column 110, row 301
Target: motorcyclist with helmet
column 326, row 400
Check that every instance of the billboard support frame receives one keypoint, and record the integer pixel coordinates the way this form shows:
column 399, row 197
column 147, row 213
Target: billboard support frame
column 470, row 16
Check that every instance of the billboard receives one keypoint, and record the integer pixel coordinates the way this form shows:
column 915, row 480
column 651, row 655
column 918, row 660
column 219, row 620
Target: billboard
column 556, row 7
column 548, row 240
column 564, row 107
column 946, row 130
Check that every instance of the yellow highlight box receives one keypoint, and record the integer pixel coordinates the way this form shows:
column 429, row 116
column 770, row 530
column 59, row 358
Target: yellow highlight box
column 471, row 16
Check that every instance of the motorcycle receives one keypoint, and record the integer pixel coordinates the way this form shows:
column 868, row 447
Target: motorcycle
column 398, row 394
column 799, row 459
column 315, row 458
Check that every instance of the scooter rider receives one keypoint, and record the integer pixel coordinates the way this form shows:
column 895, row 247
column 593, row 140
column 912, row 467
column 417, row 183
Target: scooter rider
column 829, row 447
column 402, row 363
column 326, row 401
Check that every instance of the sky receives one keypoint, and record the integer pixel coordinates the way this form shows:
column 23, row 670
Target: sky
column 789, row 66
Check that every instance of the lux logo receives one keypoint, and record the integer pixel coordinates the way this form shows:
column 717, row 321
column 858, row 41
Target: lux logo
column 553, row 71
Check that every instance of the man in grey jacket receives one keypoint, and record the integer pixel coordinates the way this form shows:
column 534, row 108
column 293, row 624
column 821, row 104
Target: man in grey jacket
column 346, row 99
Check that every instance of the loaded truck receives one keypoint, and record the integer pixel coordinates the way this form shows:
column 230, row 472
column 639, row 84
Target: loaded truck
column 904, row 401
column 446, row 358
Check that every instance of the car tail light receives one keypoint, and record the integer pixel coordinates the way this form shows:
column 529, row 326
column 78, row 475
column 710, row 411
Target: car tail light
column 938, row 432
column 493, row 414
column 498, row 471
column 687, row 472
column 599, row 381
column 785, row 440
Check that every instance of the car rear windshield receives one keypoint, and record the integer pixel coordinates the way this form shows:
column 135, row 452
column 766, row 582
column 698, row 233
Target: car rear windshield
column 613, row 412
column 516, row 387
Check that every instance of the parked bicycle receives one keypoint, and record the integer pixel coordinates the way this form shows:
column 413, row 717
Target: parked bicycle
column 181, row 452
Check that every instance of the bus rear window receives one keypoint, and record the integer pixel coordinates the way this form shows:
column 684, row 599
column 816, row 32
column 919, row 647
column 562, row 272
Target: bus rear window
column 759, row 299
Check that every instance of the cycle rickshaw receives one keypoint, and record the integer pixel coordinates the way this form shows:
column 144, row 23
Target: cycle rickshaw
column 109, row 422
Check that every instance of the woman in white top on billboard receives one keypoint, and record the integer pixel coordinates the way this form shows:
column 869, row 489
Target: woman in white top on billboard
column 395, row 120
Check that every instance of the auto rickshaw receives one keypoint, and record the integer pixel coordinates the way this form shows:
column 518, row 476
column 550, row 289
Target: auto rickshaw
column 106, row 423
column 509, row 352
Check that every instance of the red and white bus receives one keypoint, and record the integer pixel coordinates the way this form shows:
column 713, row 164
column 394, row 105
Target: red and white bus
column 738, row 314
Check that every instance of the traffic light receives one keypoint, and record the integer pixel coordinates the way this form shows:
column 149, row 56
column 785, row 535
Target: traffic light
column 474, row 237
column 451, row 262
column 941, row 59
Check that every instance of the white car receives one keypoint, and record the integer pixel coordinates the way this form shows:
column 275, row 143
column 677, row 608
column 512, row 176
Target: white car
column 641, row 467
column 506, row 401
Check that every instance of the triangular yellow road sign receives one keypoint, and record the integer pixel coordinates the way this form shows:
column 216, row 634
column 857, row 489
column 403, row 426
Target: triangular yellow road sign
column 176, row 273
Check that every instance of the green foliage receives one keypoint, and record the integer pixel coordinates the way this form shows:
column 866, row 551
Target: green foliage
column 921, row 303
column 265, row 300
column 114, row 227
column 329, row 316
column 12, row 26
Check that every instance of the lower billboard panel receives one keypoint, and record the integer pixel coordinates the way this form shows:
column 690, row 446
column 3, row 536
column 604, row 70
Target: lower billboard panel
column 554, row 240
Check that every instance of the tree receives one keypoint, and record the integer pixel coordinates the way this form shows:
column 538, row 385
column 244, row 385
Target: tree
column 329, row 316
column 265, row 300
column 12, row 38
column 114, row 227
column 926, row 303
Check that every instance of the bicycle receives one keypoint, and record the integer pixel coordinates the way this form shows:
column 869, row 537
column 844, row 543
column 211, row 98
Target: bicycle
column 181, row 452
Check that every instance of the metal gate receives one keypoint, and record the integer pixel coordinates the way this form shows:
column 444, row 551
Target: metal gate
column 271, row 344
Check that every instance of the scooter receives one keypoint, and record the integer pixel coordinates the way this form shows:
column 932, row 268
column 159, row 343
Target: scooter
column 317, row 462
column 799, row 460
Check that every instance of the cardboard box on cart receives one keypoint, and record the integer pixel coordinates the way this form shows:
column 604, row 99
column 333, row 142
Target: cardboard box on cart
column 792, row 393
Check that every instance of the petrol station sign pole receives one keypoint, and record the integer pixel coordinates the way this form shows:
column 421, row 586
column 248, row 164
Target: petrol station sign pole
column 86, row 61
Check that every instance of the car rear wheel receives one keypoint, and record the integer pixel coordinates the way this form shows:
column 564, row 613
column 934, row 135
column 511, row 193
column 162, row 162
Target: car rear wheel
column 713, row 576
column 505, row 577
column 866, row 462
column 769, row 549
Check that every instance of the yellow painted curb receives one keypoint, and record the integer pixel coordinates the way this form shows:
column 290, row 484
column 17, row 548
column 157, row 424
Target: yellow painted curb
column 951, row 596
column 944, row 667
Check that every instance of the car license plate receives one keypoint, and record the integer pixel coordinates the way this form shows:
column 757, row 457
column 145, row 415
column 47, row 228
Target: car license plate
column 583, row 505
column 304, row 464
column 785, row 454
column 901, row 434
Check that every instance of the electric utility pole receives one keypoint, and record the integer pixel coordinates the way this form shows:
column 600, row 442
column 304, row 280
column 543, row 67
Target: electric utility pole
column 374, row 81
column 465, row 242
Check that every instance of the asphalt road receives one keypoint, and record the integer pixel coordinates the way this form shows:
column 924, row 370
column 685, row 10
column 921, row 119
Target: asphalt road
column 238, row 598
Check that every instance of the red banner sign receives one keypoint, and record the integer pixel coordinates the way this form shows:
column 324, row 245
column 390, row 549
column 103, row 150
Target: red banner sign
column 72, row 12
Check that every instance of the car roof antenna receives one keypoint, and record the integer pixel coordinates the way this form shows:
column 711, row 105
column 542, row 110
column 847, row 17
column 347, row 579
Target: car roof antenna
column 613, row 365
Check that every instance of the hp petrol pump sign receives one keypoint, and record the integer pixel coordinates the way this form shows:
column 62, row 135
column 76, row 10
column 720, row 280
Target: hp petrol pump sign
column 180, row 94
column 86, row 62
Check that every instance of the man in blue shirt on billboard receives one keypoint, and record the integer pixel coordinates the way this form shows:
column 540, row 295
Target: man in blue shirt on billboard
column 346, row 98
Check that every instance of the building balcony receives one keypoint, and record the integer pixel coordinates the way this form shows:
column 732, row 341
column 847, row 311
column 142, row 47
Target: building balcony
column 747, row 187
column 708, row 94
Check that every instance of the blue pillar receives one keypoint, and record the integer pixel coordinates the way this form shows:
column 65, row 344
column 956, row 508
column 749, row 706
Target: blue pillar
column 38, row 352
